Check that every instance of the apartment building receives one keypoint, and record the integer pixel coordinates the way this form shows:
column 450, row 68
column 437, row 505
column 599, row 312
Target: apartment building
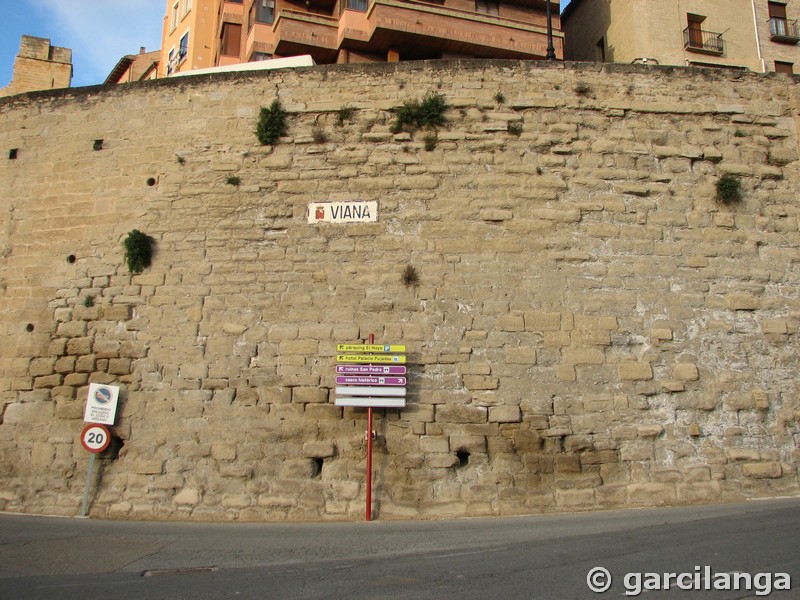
column 758, row 35
column 351, row 31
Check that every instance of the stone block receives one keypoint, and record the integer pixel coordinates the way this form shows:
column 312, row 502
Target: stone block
column 505, row 414
column 319, row 449
column 770, row 470
column 542, row 321
column 685, row 372
column 635, row 371
column 460, row 413
column 187, row 497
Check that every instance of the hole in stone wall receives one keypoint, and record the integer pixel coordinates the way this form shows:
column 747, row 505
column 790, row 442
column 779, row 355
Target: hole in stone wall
column 151, row 181
column 98, row 145
column 463, row 458
column 29, row 327
column 12, row 154
column 71, row 258
column 114, row 446
column 316, row 471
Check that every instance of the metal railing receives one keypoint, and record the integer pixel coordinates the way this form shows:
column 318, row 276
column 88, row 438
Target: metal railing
column 702, row 40
column 783, row 29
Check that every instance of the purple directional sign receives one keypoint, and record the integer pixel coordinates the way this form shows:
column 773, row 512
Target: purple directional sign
column 369, row 380
column 370, row 370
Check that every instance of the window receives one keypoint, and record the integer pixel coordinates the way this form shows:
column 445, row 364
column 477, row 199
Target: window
column 360, row 5
column 784, row 67
column 487, row 7
column 258, row 56
column 231, row 39
column 184, row 47
column 263, row 11
column 187, row 6
column 172, row 63
column 173, row 17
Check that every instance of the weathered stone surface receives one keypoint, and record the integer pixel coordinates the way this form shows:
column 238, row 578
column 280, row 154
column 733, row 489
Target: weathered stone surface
column 589, row 327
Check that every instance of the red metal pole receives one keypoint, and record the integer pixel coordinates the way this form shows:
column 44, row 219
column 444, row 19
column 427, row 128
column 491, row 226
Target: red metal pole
column 369, row 452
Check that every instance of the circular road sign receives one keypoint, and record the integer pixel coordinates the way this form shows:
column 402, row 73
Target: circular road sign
column 95, row 438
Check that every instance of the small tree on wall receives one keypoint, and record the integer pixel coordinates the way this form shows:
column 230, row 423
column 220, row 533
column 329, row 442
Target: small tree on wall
column 271, row 123
column 138, row 251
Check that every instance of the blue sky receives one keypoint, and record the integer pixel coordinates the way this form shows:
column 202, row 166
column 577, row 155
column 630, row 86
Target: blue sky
column 100, row 32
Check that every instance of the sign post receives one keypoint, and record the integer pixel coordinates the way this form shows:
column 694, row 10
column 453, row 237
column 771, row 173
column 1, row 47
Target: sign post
column 101, row 410
column 373, row 376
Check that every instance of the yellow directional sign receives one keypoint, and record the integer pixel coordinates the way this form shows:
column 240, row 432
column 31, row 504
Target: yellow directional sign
column 371, row 358
column 370, row 348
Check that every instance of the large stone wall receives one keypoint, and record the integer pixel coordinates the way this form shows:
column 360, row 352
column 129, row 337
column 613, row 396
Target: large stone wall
column 591, row 327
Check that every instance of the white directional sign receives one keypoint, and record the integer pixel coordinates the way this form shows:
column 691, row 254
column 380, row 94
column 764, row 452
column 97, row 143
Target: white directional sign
column 365, row 390
column 363, row 401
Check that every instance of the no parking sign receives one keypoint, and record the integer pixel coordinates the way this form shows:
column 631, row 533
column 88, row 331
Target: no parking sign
column 101, row 407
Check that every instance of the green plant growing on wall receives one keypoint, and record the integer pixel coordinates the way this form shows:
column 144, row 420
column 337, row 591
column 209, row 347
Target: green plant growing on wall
column 515, row 127
column 415, row 114
column 233, row 180
column 319, row 135
column 430, row 140
column 500, row 97
column 582, row 88
column 409, row 276
column 344, row 115
column 88, row 301
column 729, row 189
column 180, row 159
column 138, row 251
column 271, row 123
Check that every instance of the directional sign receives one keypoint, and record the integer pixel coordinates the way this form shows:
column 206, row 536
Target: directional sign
column 370, row 370
column 369, row 380
column 371, row 402
column 95, row 438
column 370, row 358
column 370, row 348
column 371, row 391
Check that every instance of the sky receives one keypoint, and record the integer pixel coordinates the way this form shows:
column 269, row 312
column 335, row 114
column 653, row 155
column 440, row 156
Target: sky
column 99, row 32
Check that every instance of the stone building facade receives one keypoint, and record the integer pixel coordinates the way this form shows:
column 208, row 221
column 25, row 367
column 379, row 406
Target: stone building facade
column 39, row 66
column 758, row 35
column 590, row 327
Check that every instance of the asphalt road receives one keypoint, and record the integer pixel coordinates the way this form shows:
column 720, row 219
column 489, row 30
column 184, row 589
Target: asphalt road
column 535, row 557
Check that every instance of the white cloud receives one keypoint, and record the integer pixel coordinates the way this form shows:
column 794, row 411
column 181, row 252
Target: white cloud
column 100, row 32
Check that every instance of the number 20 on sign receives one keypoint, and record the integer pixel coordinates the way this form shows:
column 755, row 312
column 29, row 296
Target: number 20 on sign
column 95, row 438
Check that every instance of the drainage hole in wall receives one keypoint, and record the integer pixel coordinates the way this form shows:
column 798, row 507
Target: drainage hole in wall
column 114, row 446
column 463, row 458
column 151, row 181
column 98, row 145
column 71, row 258
column 316, row 470
column 29, row 327
column 12, row 154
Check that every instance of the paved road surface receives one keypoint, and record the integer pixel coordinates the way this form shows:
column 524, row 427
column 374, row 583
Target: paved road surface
column 536, row 557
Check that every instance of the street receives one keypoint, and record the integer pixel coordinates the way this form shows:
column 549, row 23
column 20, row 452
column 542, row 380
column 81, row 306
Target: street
column 531, row 557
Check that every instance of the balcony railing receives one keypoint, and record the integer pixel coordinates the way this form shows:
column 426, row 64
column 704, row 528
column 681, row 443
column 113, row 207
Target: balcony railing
column 784, row 30
column 700, row 40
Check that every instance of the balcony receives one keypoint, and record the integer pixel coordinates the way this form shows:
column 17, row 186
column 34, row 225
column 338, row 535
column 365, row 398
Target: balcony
column 700, row 40
column 783, row 31
column 298, row 33
column 417, row 28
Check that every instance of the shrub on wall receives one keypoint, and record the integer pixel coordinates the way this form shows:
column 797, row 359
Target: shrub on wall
column 138, row 251
column 427, row 113
column 271, row 123
column 729, row 189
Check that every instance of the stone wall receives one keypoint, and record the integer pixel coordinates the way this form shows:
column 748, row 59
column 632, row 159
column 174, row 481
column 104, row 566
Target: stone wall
column 591, row 326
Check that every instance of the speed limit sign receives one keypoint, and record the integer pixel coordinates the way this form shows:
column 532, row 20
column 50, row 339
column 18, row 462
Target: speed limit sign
column 95, row 438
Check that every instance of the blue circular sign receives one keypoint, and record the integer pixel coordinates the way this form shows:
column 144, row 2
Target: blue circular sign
column 102, row 395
